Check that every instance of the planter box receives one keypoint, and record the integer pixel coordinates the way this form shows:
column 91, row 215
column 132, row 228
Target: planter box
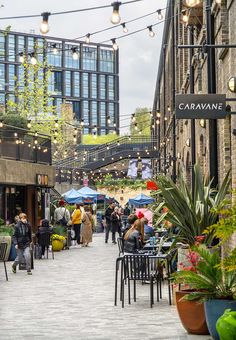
column 6, row 239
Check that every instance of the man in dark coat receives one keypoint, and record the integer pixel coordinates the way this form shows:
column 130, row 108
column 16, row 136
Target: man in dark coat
column 22, row 238
column 108, row 213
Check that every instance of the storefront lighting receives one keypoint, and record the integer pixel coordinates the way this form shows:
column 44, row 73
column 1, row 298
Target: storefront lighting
column 44, row 27
column 232, row 84
column 114, row 44
column 75, row 54
column 115, row 18
column 160, row 16
column 150, row 32
column 125, row 29
column 54, row 49
column 87, row 38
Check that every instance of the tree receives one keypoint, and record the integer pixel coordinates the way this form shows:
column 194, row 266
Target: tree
column 141, row 121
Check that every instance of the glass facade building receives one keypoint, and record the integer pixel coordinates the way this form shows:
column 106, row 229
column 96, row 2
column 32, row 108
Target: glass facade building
column 89, row 82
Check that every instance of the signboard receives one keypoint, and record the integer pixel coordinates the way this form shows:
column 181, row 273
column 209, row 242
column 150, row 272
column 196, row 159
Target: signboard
column 42, row 180
column 200, row 106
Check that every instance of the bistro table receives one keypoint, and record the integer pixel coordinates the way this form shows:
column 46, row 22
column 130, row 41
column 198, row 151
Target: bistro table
column 164, row 246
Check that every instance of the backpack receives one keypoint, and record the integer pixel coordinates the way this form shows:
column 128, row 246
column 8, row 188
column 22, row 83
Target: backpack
column 63, row 220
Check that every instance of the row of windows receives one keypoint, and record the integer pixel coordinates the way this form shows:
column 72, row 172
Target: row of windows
column 76, row 84
column 11, row 45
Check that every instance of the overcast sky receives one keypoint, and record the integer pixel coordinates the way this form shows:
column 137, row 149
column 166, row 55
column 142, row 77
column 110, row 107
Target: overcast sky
column 139, row 54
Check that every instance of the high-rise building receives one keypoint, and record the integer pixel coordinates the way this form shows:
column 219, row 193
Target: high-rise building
column 85, row 75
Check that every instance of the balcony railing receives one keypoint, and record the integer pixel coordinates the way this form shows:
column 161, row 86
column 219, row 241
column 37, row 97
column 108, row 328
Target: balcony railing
column 24, row 145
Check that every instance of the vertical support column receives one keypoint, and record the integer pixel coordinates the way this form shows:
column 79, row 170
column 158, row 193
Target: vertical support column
column 173, row 89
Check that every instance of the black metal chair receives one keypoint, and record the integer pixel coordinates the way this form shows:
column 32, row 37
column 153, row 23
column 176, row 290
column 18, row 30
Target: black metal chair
column 3, row 250
column 120, row 243
column 44, row 240
column 139, row 267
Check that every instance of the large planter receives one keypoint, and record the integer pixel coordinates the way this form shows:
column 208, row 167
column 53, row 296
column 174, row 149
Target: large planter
column 191, row 314
column 6, row 239
column 57, row 245
column 213, row 310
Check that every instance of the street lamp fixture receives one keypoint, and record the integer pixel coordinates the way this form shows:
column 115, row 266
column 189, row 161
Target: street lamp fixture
column 232, row 84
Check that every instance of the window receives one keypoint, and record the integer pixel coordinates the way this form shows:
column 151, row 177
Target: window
column 11, row 78
column 2, row 77
column 103, row 114
column 90, row 58
column 94, row 113
column 86, row 112
column 106, row 61
column 57, row 103
column 2, row 46
column 76, row 110
column 111, row 87
column 54, row 59
column 103, row 131
column 40, row 49
column 111, row 113
column 76, row 84
column 102, row 88
column 21, row 45
column 69, row 61
column 58, row 82
column 11, row 48
column 68, row 83
column 85, row 85
column 94, row 86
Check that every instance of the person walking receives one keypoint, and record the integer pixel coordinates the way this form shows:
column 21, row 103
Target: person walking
column 115, row 224
column 76, row 222
column 87, row 231
column 42, row 230
column 22, row 239
column 61, row 214
column 108, row 213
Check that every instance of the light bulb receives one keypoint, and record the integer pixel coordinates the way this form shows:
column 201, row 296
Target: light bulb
column 54, row 49
column 44, row 27
column 158, row 114
column 29, row 124
column 150, row 32
column 218, row 2
column 21, row 58
column 115, row 18
column 82, row 122
column 1, row 124
column 135, row 127
column 185, row 16
column 87, row 38
column 33, row 60
column 75, row 55
column 114, row 45
column 56, row 124
column 125, row 29
column 160, row 16
column 108, row 120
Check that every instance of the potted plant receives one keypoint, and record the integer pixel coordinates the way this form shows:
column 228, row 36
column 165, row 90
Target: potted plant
column 57, row 242
column 6, row 232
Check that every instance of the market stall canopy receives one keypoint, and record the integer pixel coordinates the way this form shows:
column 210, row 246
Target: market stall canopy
column 141, row 200
column 87, row 192
column 73, row 196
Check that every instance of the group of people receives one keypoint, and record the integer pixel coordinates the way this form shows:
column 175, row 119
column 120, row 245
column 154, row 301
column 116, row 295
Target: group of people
column 134, row 233
column 81, row 220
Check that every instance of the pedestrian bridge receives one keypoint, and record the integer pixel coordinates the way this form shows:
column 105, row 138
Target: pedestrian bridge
column 138, row 147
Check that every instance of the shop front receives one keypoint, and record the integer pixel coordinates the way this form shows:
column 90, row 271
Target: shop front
column 24, row 187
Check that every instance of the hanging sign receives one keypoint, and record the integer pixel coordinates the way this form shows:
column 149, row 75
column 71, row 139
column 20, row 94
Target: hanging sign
column 200, row 106
column 42, row 180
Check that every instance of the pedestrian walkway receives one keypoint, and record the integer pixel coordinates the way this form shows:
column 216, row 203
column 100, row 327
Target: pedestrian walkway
column 72, row 297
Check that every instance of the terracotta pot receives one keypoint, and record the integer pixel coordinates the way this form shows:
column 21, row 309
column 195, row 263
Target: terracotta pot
column 191, row 314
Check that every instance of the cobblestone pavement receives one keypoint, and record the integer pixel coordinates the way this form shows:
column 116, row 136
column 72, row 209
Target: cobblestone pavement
column 72, row 298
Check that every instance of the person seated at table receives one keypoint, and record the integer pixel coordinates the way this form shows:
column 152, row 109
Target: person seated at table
column 133, row 238
column 148, row 230
column 130, row 221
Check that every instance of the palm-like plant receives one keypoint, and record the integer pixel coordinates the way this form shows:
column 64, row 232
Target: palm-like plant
column 209, row 280
column 191, row 212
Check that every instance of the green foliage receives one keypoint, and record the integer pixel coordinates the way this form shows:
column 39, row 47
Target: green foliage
column 59, row 230
column 192, row 214
column 93, row 140
column 14, row 119
column 6, row 230
column 115, row 184
column 1, row 221
column 143, row 120
column 209, row 281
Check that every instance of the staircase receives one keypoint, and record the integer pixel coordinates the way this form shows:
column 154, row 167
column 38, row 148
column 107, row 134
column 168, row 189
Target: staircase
column 112, row 152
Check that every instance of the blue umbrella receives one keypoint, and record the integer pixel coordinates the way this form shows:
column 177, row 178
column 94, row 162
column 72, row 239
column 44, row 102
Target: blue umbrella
column 87, row 192
column 141, row 200
column 72, row 196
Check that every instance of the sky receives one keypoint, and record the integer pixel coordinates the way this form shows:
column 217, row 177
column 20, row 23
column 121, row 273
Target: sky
column 139, row 54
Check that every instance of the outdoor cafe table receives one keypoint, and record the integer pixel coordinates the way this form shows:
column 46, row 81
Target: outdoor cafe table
column 165, row 246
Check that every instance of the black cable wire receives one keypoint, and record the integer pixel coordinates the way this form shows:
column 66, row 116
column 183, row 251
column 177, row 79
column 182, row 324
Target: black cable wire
column 66, row 12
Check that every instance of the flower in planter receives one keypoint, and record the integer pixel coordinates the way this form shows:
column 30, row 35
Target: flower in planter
column 57, row 237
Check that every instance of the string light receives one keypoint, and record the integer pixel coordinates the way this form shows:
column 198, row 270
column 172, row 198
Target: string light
column 129, row 138
column 33, row 60
column 135, row 127
column 82, row 122
column 1, row 123
column 55, row 140
column 21, row 57
column 74, row 139
column 29, row 124
column 108, row 120
column 56, row 124
column 114, row 44
column 150, row 31
column 133, row 117
column 75, row 54
column 125, row 29
column 185, row 16
column 87, row 38
column 158, row 114
column 160, row 16
column 54, row 49
column 115, row 18
column 44, row 27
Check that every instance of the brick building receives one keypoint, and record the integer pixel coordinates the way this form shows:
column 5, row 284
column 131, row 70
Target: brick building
column 184, row 71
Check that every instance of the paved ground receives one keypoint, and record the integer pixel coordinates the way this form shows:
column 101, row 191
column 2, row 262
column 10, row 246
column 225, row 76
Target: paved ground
column 72, row 298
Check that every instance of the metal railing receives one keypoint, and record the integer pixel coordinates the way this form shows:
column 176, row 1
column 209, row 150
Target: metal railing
column 24, row 145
